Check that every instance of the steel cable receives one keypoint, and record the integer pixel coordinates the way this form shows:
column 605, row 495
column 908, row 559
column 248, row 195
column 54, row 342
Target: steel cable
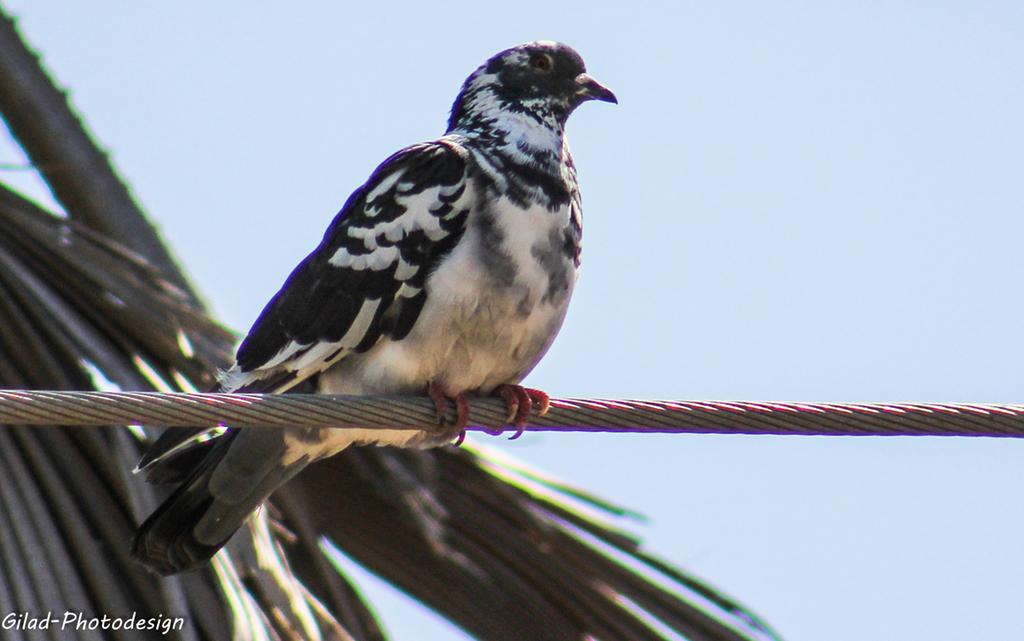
column 24, row 407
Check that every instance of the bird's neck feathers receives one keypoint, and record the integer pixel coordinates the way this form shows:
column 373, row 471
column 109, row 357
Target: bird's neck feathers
column 530, row 130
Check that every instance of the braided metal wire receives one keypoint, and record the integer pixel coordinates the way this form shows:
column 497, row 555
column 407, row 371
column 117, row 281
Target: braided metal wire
column 24, row 407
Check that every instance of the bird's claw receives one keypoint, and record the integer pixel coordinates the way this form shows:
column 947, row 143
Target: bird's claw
column 441, row 398
column 520, row 402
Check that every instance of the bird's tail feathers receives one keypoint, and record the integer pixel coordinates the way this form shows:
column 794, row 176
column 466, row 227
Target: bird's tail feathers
column 202, row 514
column 172, row 445
column 175, row 451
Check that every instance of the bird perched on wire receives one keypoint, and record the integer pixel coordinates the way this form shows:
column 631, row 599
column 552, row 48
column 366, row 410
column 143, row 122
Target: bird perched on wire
column 448, row 272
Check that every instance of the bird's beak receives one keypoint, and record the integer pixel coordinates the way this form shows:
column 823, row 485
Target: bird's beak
column 590, row 89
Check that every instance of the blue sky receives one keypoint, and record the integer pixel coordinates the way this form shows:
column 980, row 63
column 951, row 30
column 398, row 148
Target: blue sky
column 795, row 201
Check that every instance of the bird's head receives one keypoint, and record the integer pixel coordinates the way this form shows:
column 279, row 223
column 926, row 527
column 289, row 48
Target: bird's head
column 544, row 80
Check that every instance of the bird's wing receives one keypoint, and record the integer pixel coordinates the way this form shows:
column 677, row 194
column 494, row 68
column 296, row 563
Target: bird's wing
column 364, row 280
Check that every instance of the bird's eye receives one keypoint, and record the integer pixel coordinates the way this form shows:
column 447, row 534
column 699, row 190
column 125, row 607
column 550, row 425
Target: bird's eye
column 541, row 62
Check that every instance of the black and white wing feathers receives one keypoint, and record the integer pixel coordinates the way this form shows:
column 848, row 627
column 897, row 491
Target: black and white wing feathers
column 365, row 280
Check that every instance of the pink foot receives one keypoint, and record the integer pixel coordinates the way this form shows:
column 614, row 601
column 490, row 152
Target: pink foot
column 441, row 398
column 520, row 401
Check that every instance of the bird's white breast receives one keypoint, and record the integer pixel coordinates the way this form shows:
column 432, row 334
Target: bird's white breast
column 491, row 311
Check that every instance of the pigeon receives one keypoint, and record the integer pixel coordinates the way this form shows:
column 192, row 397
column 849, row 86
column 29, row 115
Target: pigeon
column 448, row 273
